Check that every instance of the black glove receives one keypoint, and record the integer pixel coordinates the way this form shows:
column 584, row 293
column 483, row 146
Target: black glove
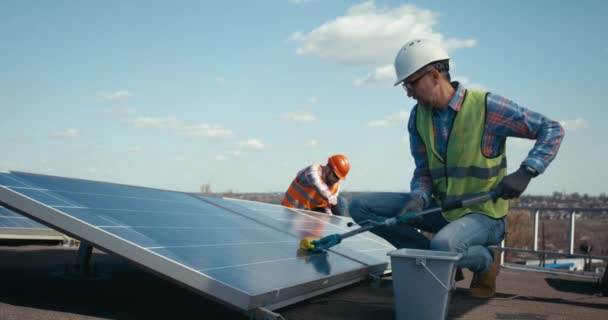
column 513, row 185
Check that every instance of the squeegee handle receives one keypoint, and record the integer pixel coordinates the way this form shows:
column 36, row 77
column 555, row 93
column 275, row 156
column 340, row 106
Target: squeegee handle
column 447, row 206
column 359, row 230
column 464, row 203
column 334, row 239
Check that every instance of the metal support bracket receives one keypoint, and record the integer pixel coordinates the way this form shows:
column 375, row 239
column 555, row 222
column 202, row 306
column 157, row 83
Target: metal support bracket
column 82, row 268
column 604, row 283
column 83, row 257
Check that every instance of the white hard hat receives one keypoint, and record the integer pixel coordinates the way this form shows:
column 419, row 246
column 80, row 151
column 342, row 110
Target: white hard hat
column 416, row 54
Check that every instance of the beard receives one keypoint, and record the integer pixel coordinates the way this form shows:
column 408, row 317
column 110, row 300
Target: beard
column 428, row 104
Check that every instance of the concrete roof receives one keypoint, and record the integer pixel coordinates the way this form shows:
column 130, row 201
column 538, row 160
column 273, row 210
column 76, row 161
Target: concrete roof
column 33, row 285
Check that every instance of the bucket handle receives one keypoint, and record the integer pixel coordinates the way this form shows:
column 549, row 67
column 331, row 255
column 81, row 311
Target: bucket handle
column 422, row 262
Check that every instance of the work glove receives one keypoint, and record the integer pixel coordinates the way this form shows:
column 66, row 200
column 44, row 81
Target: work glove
column 415, row 204
column 333, row 199
column 514, row 184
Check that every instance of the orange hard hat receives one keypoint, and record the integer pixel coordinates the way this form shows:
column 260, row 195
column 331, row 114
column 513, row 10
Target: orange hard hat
column 339, row 163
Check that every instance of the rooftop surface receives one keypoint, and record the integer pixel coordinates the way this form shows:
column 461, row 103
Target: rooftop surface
column 34, row 285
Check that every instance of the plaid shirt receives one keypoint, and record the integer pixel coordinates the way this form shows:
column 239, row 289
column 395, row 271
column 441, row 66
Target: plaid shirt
column 313, row 176
column 504, row 119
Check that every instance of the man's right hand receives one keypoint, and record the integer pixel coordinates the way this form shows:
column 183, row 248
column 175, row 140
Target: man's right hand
column 416, row 203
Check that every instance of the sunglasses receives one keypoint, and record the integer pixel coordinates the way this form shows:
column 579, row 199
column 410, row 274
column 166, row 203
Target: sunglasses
column 410, row 85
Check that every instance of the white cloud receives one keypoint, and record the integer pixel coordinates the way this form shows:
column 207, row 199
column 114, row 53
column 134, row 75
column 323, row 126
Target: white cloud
column 399, row 118
column 205, row 131
column 155, row 122
column 578, row 123
column 297, row 117
column 380, row 75
column 371, row 36
column 135, row 149
column 113, row 96
column 221, row 81
column 221, row 157
column 312, row 143
column 452, row 44
column 468, row 84
column 313, row 100
column 256, row 144
column 69, row 133
column 202, row 130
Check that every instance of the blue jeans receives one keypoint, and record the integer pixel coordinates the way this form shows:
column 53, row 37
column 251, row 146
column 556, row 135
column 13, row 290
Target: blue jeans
column 469, row 235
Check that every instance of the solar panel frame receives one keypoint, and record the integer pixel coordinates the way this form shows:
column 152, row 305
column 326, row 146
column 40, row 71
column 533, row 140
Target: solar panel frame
column 182, row 274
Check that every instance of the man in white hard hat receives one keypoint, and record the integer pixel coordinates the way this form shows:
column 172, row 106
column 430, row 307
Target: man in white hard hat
column 457, row 139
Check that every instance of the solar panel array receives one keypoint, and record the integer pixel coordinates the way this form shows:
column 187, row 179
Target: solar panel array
column 242, row 253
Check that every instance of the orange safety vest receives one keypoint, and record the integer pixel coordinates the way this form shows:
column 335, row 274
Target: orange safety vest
column 306, row 197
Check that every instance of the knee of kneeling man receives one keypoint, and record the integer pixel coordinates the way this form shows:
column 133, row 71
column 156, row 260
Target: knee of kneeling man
column 441, row 244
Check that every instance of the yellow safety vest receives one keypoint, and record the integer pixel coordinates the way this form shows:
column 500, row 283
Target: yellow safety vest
column 465, row 171
column 306, row 197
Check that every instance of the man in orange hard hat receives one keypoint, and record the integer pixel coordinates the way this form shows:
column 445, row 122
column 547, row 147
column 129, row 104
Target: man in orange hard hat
column 317, row 187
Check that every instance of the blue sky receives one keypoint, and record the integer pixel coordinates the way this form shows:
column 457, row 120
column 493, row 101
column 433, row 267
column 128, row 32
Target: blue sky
column 243, row 94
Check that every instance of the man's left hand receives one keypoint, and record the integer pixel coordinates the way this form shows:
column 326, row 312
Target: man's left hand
column 513, row 185
column 333, row 200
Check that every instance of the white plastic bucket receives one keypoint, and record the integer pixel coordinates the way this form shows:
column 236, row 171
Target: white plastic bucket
column 422, row 282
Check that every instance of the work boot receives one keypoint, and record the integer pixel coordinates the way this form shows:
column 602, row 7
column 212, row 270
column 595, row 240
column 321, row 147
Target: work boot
column 483, row 284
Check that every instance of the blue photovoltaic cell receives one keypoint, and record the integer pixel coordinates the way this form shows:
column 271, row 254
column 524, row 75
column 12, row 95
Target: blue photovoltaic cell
column 8, row 180
column 13, row 220
column 241, row 252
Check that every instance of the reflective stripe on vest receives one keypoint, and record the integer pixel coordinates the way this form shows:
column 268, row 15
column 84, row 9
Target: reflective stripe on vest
column 465, row 171
column 303, row 197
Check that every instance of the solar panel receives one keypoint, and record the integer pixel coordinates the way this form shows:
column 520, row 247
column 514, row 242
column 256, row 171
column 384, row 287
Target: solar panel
column 14, row 226
column 11, row 219
column 244, row 254
column 366, row 248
